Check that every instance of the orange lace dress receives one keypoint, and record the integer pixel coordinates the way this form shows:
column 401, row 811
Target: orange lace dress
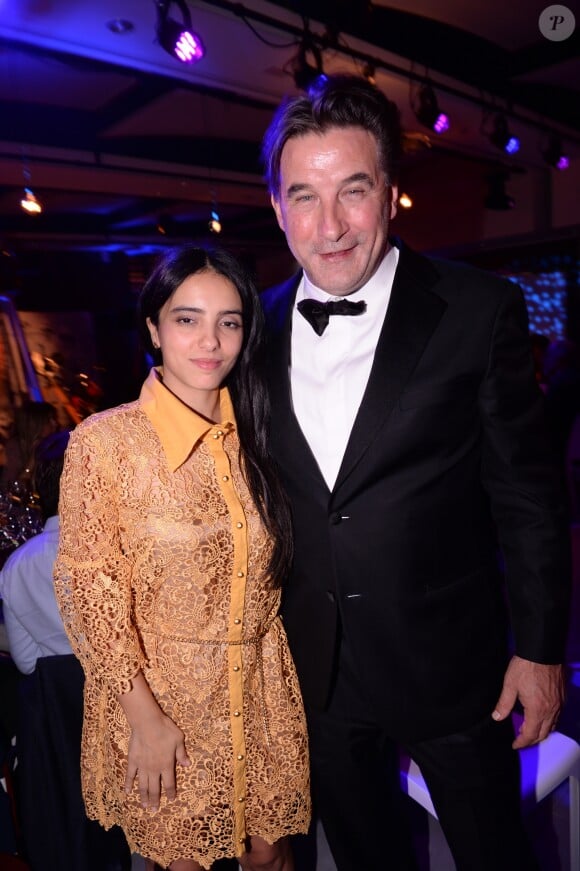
column 161, row 568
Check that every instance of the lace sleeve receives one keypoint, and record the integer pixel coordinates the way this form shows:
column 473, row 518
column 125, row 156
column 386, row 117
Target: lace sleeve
column 92, row 575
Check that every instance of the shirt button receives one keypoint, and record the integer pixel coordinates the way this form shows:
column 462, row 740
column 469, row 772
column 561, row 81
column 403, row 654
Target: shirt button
column 226, row 478
column 240, row 757
column 241, row 798
column 240, row 574
column 236, row 667
column 239, row 525
column 237, row 621
column 236, row 713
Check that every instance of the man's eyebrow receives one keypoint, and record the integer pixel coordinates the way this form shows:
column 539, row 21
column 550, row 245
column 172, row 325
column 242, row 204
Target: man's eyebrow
column 359, row 176
column 299, row 187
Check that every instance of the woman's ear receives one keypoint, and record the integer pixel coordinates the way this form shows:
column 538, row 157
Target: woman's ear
column 153, row 333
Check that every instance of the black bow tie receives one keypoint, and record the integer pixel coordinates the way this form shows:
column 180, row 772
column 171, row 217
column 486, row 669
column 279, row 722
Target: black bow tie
column 317, row 313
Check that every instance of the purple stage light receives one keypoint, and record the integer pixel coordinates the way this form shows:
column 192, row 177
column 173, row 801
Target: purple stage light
column 189, row 48
column 427, row 110
column 441, row 124
column 177, row 37
column 554, row 154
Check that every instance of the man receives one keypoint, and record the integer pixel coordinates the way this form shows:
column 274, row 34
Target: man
column 408, row 431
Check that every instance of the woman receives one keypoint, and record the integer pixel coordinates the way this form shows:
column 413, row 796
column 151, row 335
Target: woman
column 175, row 539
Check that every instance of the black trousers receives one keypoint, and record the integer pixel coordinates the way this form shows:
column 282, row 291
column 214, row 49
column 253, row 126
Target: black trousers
column 473, row 778
column 57, row 834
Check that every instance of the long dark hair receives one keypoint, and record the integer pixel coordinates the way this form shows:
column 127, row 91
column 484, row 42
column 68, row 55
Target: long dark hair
column 49, row 461
column 246, row 383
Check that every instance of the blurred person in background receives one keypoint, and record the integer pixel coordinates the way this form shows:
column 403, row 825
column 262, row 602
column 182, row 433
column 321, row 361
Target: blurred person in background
column 33, row 421
column 56, row 832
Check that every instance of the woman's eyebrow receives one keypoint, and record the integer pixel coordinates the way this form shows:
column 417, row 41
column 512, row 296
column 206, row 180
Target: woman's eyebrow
column 196, row 310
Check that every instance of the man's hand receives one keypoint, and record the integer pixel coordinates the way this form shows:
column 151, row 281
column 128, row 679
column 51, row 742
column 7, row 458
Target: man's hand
column 540, row 689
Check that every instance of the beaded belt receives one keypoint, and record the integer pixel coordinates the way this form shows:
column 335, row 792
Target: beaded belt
column 259, row 659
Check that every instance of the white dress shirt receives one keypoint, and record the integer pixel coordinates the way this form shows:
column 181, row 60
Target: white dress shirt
column 33, row 622
column 329, row 373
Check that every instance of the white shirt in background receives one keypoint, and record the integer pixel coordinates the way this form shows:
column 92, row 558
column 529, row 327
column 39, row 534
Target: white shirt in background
column 31, row 616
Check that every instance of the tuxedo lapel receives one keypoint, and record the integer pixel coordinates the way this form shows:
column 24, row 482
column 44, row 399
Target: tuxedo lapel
column 278, row 304
column 413, row 313
column 289, row 444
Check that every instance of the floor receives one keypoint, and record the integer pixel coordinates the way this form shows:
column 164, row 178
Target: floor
column 547, row 822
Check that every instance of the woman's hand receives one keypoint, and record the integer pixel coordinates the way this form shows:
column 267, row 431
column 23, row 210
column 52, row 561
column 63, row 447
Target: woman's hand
column 155, row 747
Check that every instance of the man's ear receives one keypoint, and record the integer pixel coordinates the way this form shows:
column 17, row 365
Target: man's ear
column 278, row 212
column 394, row 200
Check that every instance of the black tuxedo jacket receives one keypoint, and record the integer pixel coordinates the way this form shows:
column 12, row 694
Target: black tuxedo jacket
column 446, row 456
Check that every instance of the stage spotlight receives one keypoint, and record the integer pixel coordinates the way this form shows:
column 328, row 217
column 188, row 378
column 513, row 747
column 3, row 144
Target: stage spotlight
column 497, row 197
column 554, row 153
column 501, row 137
column 178, row 39
column 305, row 75
column 165, row 225
column 427, row 110
column 215, row 225
column 30, row 203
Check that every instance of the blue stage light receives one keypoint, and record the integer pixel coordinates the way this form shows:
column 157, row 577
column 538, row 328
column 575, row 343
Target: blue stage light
column 501, row 137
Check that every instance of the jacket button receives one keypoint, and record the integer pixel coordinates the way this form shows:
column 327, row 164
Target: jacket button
column 331, row 596
column 335, row 518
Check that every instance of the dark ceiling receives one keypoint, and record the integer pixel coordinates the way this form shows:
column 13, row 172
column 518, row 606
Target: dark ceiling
column 127, row 148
